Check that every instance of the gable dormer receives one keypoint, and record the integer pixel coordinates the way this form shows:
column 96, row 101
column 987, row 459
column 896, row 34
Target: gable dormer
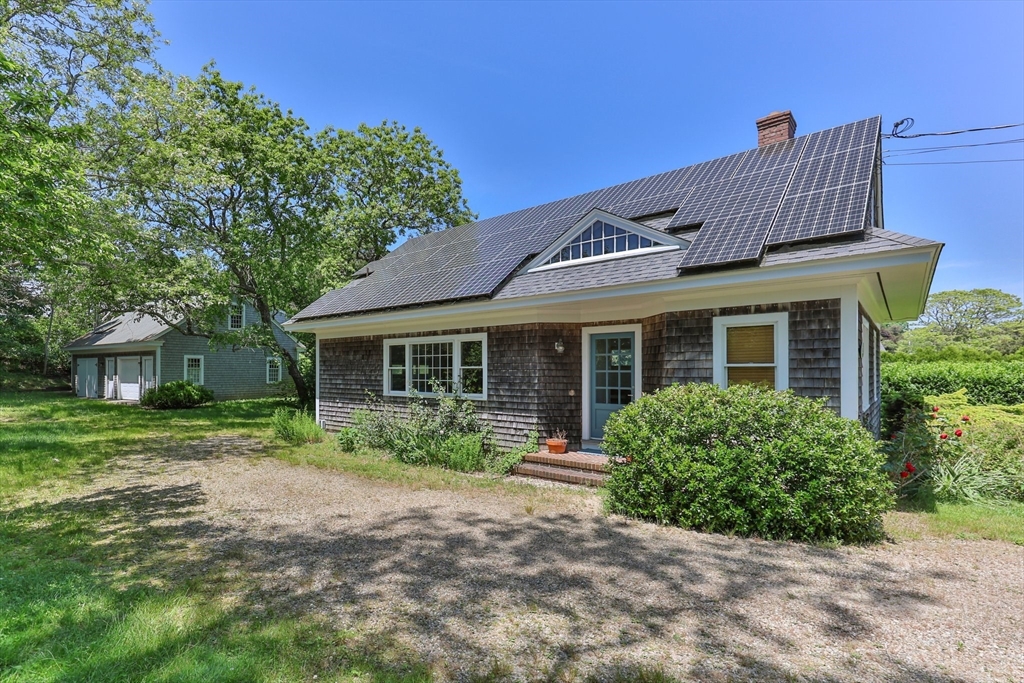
column 602, row 236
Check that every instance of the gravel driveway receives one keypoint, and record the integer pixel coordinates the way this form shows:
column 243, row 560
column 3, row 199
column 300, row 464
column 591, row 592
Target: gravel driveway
column 543, row 585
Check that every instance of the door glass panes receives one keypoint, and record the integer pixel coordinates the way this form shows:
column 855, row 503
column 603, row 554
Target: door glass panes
column 432, row 362
column 396, row 368
column 613, row 370
column 602, row 238
column 750, row 355
column 472, row 366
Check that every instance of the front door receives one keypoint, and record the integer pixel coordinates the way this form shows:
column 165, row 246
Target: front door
column 87, row 377
column 148, row 381
column 611, row 377
column 128, row 378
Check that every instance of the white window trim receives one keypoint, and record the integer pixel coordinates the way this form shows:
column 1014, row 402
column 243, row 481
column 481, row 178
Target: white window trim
column 605, row 257
column 280, row 369
column 231, row 314
column 781, row 323
column 865, row 361
column 456, row 361
column 202, row 369
column 638, row 365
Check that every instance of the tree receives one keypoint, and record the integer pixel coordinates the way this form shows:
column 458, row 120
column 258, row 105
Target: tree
column 960, row 314
column 234, row 199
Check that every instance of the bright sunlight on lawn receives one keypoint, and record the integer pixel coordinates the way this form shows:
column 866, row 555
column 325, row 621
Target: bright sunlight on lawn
column 108, row 586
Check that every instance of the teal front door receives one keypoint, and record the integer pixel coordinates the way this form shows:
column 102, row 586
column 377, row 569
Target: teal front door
column 611, row 377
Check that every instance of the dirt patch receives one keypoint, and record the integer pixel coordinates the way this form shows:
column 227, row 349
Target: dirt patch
column 473, row 581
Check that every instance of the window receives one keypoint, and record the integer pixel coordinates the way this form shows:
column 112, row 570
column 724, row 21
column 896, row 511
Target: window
column 194, row 369
column 236, row 319
column 752, row 349
column 457, row 363
column 273, row 370
column 601, row 238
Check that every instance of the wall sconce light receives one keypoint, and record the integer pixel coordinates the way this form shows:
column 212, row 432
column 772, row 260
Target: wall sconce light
column 559, row 346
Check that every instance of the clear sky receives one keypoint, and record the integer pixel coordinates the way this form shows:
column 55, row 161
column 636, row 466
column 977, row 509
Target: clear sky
column 534, row 102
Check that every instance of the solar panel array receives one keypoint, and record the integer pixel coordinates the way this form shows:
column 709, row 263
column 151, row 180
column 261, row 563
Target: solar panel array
column 734, row 198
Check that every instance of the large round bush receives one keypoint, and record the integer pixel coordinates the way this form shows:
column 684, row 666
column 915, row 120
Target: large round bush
column 748, row 461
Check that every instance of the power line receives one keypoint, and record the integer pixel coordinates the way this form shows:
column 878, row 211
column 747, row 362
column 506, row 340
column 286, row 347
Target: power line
column 900, row 128
column 946, row 163
column 927, row 150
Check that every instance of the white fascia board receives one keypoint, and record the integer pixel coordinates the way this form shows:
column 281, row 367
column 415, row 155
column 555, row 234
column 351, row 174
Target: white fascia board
column 100, row 349
column 602, row 215
column 824, row 270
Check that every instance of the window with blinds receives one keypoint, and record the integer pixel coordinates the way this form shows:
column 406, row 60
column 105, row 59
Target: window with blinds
column 750, row 355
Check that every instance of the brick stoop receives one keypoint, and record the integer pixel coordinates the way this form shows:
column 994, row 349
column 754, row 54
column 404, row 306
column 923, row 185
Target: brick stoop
column 586, row 469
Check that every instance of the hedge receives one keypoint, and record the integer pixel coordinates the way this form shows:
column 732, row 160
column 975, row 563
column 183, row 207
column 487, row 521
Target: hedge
column 986, row 382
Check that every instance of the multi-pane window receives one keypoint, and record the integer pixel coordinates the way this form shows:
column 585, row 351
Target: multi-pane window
column 750, row 355
column 752, row 349
column 194, row 369
column 453, row 364
column 236, row 318
column 599, row 239
column 273, row 370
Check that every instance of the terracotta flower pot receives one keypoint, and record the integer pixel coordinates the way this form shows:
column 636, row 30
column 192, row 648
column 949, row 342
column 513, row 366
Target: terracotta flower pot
column 556, row 445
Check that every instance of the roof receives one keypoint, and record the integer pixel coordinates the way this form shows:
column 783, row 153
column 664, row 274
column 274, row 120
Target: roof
column 750, row 209
column 127, row 328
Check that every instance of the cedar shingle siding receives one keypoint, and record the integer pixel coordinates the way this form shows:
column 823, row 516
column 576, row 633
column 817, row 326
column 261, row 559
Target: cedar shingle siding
column 529, row 382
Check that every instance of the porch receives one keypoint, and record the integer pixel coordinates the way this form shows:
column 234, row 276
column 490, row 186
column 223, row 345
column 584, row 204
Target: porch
column 574, row 467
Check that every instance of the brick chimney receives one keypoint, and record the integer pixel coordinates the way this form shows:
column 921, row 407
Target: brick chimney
column 777, row 126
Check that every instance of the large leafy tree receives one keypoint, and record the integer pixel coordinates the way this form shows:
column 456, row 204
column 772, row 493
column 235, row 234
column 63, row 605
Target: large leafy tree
column 961, row 314
column 234, row 199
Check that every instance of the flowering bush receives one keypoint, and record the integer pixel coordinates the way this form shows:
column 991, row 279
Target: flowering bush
column 746, row 460
column 946, row 453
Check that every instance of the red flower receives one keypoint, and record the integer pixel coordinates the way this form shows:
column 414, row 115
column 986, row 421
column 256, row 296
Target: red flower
column 943, row 436
column 904, row 474
column 892, row 436
column 910, row 467
column 959, row 432
column 965, row 418
column 935, row 409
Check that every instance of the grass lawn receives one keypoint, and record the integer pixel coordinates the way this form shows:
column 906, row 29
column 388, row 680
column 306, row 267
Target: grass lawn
column 95, row 590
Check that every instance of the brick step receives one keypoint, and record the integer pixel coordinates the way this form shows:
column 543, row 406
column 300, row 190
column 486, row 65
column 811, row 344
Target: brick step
column 578, row 461
column 562, row 474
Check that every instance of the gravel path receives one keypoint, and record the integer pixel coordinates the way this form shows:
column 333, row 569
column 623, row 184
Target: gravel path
column 477, row 581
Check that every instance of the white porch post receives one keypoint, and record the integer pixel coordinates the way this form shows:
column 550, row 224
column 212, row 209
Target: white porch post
column 316, row 383
column 849, row 355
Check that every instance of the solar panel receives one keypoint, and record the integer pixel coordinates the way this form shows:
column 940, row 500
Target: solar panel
column 813, row 186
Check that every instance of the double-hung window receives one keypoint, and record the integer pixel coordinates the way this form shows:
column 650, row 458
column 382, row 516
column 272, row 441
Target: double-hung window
column 273, row 370
column 752, row 349
column 236, row 317
column 456, row 364
column 194, row 369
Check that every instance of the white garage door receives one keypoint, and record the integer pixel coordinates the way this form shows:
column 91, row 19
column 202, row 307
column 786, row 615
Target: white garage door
column 128, row 378
column 87, row 377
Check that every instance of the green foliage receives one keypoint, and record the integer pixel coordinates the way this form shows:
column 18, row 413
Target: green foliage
column 176, row 395
column 746, row 461
column 348, row 439
column 505, row 462
column 297, row 427
column 961, row 314
column 906, row 384
column 465, row 452
column 959, row 453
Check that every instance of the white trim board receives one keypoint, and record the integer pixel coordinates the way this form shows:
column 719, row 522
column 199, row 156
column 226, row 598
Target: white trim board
column 638, row 368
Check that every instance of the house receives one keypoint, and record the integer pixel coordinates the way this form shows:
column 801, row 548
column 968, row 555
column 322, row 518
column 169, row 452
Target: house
column 772, row 265
column 121, row 358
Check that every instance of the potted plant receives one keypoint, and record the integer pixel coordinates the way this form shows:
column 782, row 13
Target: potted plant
column 557, row 443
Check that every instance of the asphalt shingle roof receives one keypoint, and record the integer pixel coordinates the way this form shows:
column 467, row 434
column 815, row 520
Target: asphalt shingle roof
column 728, row 205
column 127, row 328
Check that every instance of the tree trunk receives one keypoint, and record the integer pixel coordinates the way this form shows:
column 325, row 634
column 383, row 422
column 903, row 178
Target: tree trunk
column 305, row 393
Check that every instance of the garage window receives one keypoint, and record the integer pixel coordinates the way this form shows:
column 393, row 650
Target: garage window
column 194, row 369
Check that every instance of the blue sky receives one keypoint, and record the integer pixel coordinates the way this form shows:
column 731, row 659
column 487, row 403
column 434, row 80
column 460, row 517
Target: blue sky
column 534, row 102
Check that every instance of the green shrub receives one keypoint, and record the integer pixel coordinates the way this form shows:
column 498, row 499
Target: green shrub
column 175, row 395
column 905, row 384
column 348, row 439
column 296, row 426
column 503, row 462
column 959, row 453
column 464, row 452
column 748, row 461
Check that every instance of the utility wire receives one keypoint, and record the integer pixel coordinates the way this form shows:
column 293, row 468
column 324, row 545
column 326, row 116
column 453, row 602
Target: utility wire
column 900, row 128
column 946, row 163
column 909, row 151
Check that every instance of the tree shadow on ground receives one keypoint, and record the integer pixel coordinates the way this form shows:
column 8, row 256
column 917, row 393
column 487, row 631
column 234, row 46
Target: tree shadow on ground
column 567, row 597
